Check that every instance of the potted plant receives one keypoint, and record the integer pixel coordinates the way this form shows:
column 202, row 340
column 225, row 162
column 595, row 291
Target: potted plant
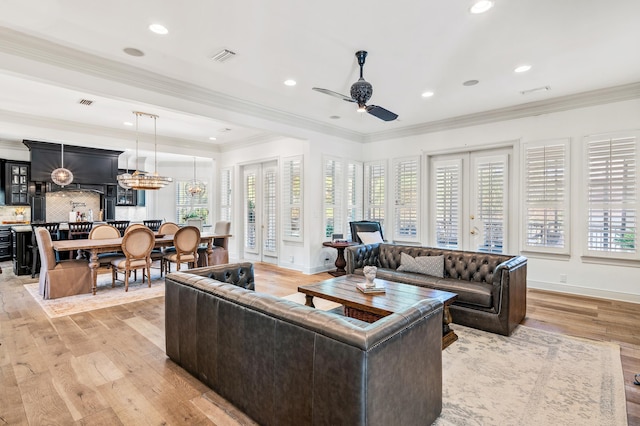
column 19, row 213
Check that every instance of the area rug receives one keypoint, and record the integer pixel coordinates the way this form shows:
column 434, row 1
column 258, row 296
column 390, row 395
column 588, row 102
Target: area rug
column 532, row 377
column 105, row 297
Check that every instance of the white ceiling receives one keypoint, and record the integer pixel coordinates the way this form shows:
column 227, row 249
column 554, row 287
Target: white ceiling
column 573, row 46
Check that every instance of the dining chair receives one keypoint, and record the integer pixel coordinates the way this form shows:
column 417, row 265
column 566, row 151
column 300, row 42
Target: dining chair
column 121, row 225
column 54, row 231
column 153, row 224
column 136, row 246
column 220, row 246
column 168, row 228
column 105, row 232
column 186, row 241
column 60, row 279
column 134, row 226
column 79, row 231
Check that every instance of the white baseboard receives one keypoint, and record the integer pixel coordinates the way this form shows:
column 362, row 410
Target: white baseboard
column 584, row 291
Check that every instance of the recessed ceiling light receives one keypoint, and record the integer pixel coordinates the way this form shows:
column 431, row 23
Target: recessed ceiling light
column 159, row 29
column 128, row 123
column 481, row 6
column 470, row 83
column 427, row 94
column 522, row 68
column 290, row 82
column 133, row 51
column 213, row 138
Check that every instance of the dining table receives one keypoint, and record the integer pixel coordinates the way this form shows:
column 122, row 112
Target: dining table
column 94, row 247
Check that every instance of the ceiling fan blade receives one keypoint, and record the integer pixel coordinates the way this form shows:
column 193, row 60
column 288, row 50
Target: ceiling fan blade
column 334, row 94
column 381, row 113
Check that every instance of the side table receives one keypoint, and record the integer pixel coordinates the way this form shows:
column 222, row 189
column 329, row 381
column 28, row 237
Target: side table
column 340, row 260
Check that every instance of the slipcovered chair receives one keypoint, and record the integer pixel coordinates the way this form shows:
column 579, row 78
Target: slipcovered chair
column 186, row 242
column 220, row 253
column 54, row 231
column 136, row 246
column 60, row 279
column 105, row 232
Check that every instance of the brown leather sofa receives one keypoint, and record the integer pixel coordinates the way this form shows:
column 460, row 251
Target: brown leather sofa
column 283, row 363
column 491, row 288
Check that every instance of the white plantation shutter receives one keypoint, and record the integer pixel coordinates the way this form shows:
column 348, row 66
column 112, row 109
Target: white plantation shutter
column 446, row 196
column 333, row 196
column 406, row 198
column 269, row 211
column 612, row 196
column 292, row 198
column 354, row 195
column 490, row 181
column 375, row 174
column 225, row 194
column 250, row 242
column 546, row 180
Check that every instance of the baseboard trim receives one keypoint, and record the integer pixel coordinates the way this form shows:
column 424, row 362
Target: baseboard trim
column 584, row 291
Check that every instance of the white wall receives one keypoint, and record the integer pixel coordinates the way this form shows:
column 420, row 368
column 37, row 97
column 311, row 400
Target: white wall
column 601, row 280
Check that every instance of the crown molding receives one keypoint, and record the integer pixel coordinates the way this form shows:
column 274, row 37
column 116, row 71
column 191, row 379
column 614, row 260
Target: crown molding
column 562, row 103
column 250, row 141
column 25, row 46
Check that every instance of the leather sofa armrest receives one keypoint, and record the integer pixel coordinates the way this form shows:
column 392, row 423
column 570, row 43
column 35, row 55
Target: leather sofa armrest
column 359, row 256
column 510, row 282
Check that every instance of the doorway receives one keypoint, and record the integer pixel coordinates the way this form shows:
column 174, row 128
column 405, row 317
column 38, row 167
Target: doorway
column 260, row 212
column 469, row 200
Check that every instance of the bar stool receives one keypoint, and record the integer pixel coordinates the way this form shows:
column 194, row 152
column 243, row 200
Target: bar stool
column 153, row 224
column 54, row 231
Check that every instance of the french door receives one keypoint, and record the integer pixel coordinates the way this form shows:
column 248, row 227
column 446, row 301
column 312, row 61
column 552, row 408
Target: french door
column 260, row 187
column 469, row 201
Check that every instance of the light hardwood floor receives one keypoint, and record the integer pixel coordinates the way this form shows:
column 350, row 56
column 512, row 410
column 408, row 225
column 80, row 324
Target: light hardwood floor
column 108, row 367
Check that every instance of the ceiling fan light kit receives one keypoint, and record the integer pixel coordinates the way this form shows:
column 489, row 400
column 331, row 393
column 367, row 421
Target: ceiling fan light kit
column 361, row 91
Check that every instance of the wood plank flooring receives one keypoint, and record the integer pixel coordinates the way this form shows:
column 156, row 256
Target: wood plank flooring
column 108, row 367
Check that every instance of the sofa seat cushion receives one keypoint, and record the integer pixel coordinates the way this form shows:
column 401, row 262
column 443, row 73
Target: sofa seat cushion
column 469, row 292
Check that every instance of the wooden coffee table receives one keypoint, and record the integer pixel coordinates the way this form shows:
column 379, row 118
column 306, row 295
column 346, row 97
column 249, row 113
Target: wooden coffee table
column 372, row 307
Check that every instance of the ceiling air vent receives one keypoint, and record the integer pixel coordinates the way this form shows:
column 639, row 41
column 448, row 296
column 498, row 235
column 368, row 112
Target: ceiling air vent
column 223, row 55
column 86, row 102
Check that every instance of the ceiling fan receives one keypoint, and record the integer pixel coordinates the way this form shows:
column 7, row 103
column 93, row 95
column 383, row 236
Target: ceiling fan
column 361, row 92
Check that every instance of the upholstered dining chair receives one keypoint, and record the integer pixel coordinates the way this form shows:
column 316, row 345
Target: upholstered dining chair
column 60, row 279
column 134, row 226
column 153, row 224
column 54, row 231
column 186, row 241
column 136, row 246
column 168, row 228
column 220, row 247
column 105, row 232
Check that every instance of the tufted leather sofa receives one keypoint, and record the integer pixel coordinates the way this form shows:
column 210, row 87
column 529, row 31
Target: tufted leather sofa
column 491, row 288
column 283, row 363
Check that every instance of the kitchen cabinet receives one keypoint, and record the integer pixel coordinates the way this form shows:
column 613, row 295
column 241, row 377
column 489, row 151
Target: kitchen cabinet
column 21, row 252
column 129, row 197
column 5, row 242
column 110, row 203
column 15, row 183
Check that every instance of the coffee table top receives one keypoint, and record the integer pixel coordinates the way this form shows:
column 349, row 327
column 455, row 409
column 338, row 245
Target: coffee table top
column 398, row 296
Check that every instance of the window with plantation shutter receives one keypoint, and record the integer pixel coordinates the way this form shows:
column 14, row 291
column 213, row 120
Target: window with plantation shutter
column 446, row 194
column 188, row 205
column 269, row 210
column 612, row 195
column 250, row 241
column 292, row 198
column 225, row 194
column 406, row 199
column 546, row 196
column 333, row 196
column 375, row 177
column 354, row 194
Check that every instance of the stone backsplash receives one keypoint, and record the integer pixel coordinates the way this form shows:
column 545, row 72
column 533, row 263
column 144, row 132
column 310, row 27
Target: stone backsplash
column 7, row 213
column 60, row 203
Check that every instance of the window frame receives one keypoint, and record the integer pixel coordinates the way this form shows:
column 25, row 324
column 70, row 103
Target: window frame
column 292, row 167
column 416, row 202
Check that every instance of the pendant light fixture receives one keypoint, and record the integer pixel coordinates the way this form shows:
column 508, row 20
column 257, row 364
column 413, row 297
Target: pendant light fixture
column 195, row 187
column 62, row 176
column 141, row 180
